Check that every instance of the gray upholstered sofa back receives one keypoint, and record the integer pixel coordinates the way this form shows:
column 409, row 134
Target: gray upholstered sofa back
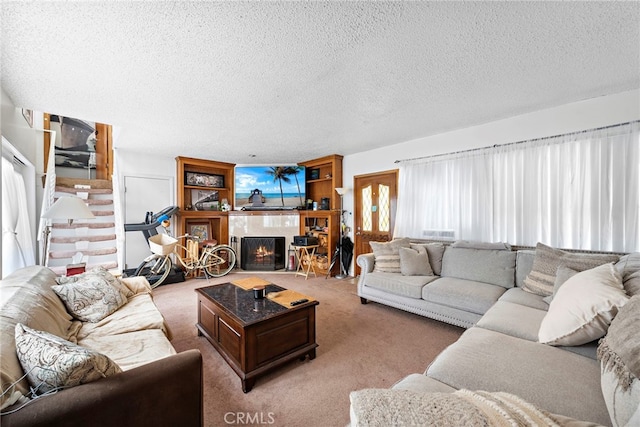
column 496, row 267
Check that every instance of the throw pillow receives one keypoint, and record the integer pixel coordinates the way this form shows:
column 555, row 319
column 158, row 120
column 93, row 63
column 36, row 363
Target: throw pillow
column 387, row 255
column 562, row 275
column 435, row 252
column 415, row 262
column 584, row 307
column 542, row 277
column 51, row 362
column 90, row 297
column 102, row 273
column 629, row 268
column 620, row 365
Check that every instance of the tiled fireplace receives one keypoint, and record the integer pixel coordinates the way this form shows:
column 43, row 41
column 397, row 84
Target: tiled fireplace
column 243, row 224
column 262, row 253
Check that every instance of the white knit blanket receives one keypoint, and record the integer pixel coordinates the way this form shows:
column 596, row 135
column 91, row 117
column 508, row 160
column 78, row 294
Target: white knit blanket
column 386, row 407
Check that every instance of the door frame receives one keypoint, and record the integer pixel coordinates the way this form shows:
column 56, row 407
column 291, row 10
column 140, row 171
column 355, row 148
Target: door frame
column 357, row 203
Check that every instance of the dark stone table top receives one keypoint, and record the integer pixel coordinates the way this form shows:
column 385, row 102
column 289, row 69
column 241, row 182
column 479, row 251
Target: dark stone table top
column 241, row 304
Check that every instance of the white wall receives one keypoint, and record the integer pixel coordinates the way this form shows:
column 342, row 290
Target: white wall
column 588, row 114
column 29, row 141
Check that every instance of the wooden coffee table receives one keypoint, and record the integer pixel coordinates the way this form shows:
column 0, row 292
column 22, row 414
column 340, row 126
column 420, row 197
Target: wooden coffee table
column 255, row 336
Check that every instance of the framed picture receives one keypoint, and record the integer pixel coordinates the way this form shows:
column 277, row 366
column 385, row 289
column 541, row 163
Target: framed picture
column 314, row 174
column 204, row 180
column 204, row 200
column 200, row 230
column 28, row 116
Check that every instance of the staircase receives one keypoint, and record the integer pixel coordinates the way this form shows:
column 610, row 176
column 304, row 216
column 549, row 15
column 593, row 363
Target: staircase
column 94, row 240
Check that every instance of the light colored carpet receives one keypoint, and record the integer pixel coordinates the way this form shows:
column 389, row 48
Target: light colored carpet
column 360, row 346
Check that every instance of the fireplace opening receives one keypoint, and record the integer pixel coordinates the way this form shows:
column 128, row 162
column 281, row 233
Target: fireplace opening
column 262, row 253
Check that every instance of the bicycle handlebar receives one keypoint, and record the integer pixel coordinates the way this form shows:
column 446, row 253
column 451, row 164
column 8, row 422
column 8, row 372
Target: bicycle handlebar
column 156, row 220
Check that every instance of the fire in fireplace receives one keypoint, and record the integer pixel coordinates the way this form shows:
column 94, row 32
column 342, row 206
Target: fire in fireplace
column 262, row 253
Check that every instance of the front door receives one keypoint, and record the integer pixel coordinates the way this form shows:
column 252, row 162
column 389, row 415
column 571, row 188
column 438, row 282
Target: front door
column 375, row 199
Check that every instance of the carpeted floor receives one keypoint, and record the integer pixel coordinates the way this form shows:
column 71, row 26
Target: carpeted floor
column 360, row 346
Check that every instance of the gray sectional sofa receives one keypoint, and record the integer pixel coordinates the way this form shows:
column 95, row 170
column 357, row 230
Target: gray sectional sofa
column 481, row 287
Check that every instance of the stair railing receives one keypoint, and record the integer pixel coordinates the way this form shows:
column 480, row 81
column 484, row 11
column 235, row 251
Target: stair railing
column 47, row 200
column 118, row 215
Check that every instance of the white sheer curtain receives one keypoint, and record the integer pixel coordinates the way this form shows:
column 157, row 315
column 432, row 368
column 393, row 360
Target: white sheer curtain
column 576, row 191
column 17, row 247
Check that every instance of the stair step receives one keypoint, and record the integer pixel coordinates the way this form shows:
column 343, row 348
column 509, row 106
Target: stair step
column 88, row 252
column 94, row 183
column 84, row 190
column 102, row 213
column 84, row 224
column 99, row 202
column 102, row 238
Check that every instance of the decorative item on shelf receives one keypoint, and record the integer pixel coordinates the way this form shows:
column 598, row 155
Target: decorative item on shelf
column 309, row 204
column 204, row 180
column 205, row 200
column 324, row 204
column 200, row 229
column 328, row 176
column 314, row 174
column 225, row 206
column 68, row 208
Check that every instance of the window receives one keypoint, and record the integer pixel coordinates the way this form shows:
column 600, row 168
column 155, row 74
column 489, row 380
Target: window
column 577, row 191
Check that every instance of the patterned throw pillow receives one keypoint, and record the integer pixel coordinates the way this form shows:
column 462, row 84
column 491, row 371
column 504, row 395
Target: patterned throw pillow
column 91, row 296
column 387, row 255
column 542, row 277
column 51, row 362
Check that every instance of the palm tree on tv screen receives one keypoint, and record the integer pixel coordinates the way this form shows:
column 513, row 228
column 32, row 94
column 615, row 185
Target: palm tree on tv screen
column 293, row 170
column 280, row 174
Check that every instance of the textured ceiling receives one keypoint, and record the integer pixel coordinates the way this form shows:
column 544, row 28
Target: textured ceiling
column 289, row 81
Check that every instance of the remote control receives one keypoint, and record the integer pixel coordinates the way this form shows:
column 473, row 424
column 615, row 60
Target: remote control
column 298, row 302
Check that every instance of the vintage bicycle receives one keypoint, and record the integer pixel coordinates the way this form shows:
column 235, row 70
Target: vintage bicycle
column 216, row 260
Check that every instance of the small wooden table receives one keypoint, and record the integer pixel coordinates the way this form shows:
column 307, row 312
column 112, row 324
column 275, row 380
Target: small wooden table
column 255, row 336
column 305, row 254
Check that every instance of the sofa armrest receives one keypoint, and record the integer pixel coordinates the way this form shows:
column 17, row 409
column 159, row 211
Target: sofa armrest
column 366, row 262
column 167, row 391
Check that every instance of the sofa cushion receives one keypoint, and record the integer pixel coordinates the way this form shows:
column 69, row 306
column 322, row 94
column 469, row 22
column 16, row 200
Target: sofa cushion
column 26, row 297
column 474, row 244
column 387, row 255
column 51, row 362
column 519, row 296
column 408, row 286
column 132, row 349
column 486, row 360
column 415, row 262
column 620, row 365
column 496, row 267
column 547, row 260
column 435, row 251
column 140, row 313
column 524, row 322
column 584, row 307
column 513, row 319
column 422, row 383
column 524, row 263
column 467, row 295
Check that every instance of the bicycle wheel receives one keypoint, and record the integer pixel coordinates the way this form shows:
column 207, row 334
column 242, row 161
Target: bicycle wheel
column 155, row 269
column 219, row 261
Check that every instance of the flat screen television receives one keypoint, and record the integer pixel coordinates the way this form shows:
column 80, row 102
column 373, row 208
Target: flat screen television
column 270, row 187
